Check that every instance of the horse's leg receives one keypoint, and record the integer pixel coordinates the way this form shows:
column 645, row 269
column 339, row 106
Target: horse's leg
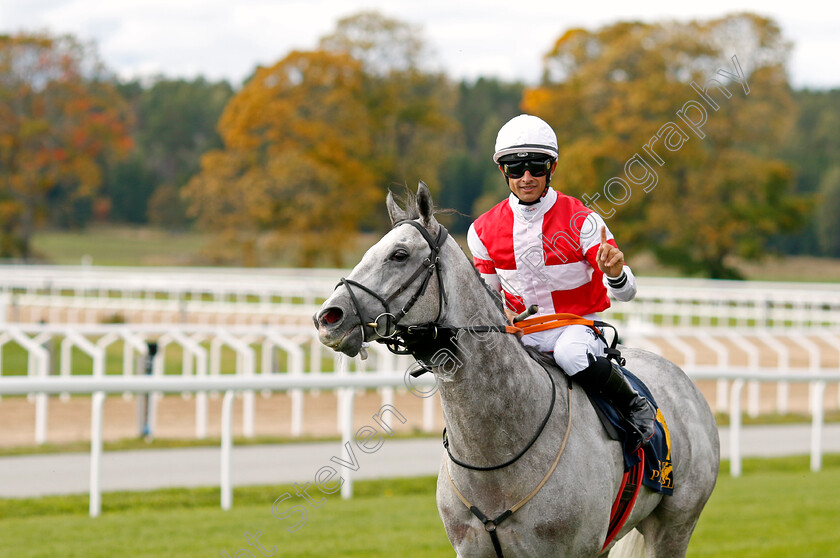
column 667, row 533
column 694, row 451
column 668, row 528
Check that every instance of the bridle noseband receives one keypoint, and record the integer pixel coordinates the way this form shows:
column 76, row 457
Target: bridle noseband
column 391, row 334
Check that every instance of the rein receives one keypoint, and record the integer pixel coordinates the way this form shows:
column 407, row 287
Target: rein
column 406, row 339
column 524, row 450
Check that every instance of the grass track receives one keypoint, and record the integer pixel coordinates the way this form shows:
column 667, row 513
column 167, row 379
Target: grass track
column 776, row 510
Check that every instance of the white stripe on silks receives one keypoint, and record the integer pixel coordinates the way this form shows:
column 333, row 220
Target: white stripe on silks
column 509, row 279
column 533, row 280
column 535, row 286
column 590, row 231
column 476, row 246
column 569, row 275
column 530, row 261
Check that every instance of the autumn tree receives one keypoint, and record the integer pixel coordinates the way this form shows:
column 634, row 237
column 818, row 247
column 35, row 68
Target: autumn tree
column 672, row 130
column 60, row 115
column 294, row 169
column 312, row 143
column 410, row 104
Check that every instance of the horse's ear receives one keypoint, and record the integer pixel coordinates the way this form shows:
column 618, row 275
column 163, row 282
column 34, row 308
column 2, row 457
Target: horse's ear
column 425, row 205
column 394, row 212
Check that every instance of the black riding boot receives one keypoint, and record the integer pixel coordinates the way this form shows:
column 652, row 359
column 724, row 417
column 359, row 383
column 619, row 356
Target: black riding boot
column 606, row 377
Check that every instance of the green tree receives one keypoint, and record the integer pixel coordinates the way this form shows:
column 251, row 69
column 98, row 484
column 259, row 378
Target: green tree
column 708, row 192
column 60, row 116
column 471, row 182
column 811, row 149
column 828, row 212
column 175, row 124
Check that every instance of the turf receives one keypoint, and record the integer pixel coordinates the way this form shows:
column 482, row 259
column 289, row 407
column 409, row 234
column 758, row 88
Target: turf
column 120, row 246
column 777, row 509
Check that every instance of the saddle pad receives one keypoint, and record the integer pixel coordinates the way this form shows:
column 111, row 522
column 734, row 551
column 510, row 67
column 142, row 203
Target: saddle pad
column 657, row 461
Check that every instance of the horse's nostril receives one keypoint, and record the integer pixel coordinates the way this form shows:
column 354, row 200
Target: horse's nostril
column 331, row 316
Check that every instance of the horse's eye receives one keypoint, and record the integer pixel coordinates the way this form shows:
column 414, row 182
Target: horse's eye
column 399, row 255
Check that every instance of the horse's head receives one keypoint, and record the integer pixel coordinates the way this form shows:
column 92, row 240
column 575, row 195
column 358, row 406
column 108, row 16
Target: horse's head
column 394, row 283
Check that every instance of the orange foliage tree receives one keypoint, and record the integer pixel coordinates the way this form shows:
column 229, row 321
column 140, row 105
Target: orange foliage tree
column 312, row 143
column 671, row 130
column 296, row 143
column 410, row 105
column 60, row 115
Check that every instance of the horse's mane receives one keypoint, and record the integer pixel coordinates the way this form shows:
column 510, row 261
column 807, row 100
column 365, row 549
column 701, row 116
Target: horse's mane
column 497, row 300
column 409, row 201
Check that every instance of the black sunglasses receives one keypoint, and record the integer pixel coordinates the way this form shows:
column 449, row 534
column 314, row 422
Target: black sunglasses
column 537, row 167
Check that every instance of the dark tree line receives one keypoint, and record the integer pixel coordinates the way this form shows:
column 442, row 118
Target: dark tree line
column 174, row 125
column 812, row 151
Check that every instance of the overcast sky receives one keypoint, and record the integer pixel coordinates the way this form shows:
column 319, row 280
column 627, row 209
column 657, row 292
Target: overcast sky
column 506, row 39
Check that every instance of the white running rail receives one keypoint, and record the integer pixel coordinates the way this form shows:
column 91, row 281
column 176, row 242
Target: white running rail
column 99, row 387
column 219, row 295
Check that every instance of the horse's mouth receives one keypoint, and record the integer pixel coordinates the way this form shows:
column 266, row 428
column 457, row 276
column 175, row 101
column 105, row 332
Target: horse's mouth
column 349, row 343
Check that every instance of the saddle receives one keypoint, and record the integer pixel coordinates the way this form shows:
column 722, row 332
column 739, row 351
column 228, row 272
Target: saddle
column 657, row 452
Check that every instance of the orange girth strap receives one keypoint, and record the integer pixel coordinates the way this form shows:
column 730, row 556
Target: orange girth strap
column 550, row 321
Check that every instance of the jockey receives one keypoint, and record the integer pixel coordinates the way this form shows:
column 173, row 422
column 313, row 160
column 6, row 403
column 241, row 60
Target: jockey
column 543, row 247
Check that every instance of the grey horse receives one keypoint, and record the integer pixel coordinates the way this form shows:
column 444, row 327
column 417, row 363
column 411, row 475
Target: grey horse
column 494, row 398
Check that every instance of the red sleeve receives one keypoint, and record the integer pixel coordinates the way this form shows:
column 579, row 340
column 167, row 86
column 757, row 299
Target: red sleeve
column 592, row 254
column 484, row 266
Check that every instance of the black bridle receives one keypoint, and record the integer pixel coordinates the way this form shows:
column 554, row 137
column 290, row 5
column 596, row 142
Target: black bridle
column 399, row 338
column 393, row 334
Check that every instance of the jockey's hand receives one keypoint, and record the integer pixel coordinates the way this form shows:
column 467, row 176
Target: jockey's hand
column 510, row 316
column 610, row 259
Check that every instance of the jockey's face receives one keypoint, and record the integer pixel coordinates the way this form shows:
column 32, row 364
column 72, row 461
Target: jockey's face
column 528, row 188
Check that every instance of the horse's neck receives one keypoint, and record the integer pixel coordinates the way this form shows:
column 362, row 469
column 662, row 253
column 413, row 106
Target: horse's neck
column 496, row 397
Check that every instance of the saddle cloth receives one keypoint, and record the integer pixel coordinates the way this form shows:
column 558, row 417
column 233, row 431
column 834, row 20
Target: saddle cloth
column 657, row 462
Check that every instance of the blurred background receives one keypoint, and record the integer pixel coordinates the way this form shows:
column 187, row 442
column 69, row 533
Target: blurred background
column 268, row 135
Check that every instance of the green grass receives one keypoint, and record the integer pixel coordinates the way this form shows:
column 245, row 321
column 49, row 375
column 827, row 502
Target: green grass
column 776, row 510
column 158, row 443
column 384, row 515
column 722, row 419
column 15, row 359
column 121, row 246
column 116, row 245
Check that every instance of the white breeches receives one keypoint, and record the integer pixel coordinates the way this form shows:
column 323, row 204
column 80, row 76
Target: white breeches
column 571, row 345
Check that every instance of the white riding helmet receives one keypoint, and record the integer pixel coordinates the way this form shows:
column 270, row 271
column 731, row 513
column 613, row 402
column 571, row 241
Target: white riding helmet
column 525, row 134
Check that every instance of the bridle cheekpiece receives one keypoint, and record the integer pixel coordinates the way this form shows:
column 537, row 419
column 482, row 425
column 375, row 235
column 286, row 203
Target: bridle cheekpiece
column 391, row 333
